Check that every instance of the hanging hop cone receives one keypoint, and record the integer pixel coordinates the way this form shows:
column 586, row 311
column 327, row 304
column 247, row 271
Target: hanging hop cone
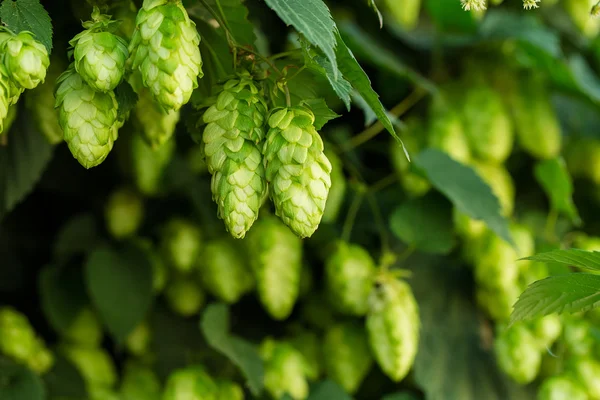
column 4, row 96
column 26, row 60
column 234, row 128
column 164, row 48
column 88, row 118
column 99, row 54
column 297, row 169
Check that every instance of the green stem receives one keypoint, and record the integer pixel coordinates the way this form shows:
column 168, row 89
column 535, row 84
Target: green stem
column 288, row 99
column 284, row 54
column 262, row 58
column 351, row 216
column 289, row 78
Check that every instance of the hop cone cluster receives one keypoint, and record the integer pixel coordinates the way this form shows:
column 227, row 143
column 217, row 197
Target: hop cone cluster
column 164, row 48
column 234, row 128
column 297, row 169
column 99, row 54
column 88, row 118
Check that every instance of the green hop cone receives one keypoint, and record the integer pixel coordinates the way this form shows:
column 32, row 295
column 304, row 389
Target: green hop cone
column 297, row 169
column 393, row 327
column 19, row 341
column 234, row 128
column 284, row 370
column 181, row 244
column 124, row 213
column 275, row 255
column 497, row 302
column 223, row 270
column 229, row 390
column 88, row 118
column 404, row 13
column 5, row 94
column 26, row 60
column 518, row 353
column 347, row 355
column 488, row 126
column 561, row 387
column 337, row 192
column 537, row 126
column 349, row 278
column 85, row 329
column 587, row 371
column 577, row 337
column 94, row 364
column 308, row 343
column 547, row 329
column 446, row 131
column 148, row 166
column 140, row 383
column 184, row 296
column 191, row 383
column 583, row 158
column 138, row 341
column 99, row 54
column 496, row 266
column 579, row 11
column 164, row 48
column 414, row 140
column 40, row 102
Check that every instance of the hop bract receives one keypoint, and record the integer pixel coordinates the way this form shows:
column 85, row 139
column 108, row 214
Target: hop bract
column 26, row 60
column 234, row 128
column 100, row 55
column 88, row 118
column 297, row 169
column 164, row 48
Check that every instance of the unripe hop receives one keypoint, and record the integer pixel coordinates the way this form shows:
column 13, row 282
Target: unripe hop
column 26, row 60
column 518, row 353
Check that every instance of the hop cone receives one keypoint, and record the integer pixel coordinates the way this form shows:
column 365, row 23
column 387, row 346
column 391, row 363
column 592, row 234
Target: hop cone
column 405, row 13
column 413, row 138
column 284, row 370
column 276, row 260
column 518, row 354
column 234, row 128
column 349, row 276
column 347, row 355
column 229, row 390
column 181, row 244
column 5, row 95
column 164, row 48
column 148, row 165
column 297, row 169
column 140, row 382
column 85, row 329
column 223, row 270
column 184, row 296
column 191, row 383
column 308, row 342
column 99, row 54
column 40, row 102
column 561, row 387
column 88, row 118
column 26, row 60
column 95, row 365
column 393, row 328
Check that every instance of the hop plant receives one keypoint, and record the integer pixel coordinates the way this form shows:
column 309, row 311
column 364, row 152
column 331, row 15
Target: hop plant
column 529, row 4
column 140, row 383
column 5, row 96
column 579, row 11
column 405, row 13
column 446, row 131
column 223, row 270
column 26, row 60
column 148, row 165
column 191, row 383
column 297, row 169
column 347, row 355
column 587, row 370
column 518, row 353
column 393, row 327
column 88, row 118
column 181, row 244
column 561, row 387
column 94, row 364
column 413, row 139
column 9, row 120
column 309, row 344
column 476, row 5
column 164, row 48
column 138, row 341
column 350, row 276
column 337, row 192
column 184, row 296
column 229, row 390
column 235, row 127
column 124, row 213
column 99, row 54
column 85, row 329
column 275, row 255
column 40, row 102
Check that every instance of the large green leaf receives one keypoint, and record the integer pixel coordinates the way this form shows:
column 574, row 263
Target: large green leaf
column 312, row 19
column 62, row 295
column 120, row 285
column 557, row 294
column 22, row 162
column 215, row 327
column 19, row 383
column 455, row 360
column 424, row 223
column 554, row 177
column 328, row 390
column 467, row 191
column 341, row 86
column 571, row 257
column 28, row 15
column 354, row 73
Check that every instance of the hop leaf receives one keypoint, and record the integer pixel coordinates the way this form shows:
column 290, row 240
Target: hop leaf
column 164, row 48
column 393, row 327
column 26, row 60
column 88, row 118
column 276, row 261
column 99, row 54
column 297, row 169
column 234, row 127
